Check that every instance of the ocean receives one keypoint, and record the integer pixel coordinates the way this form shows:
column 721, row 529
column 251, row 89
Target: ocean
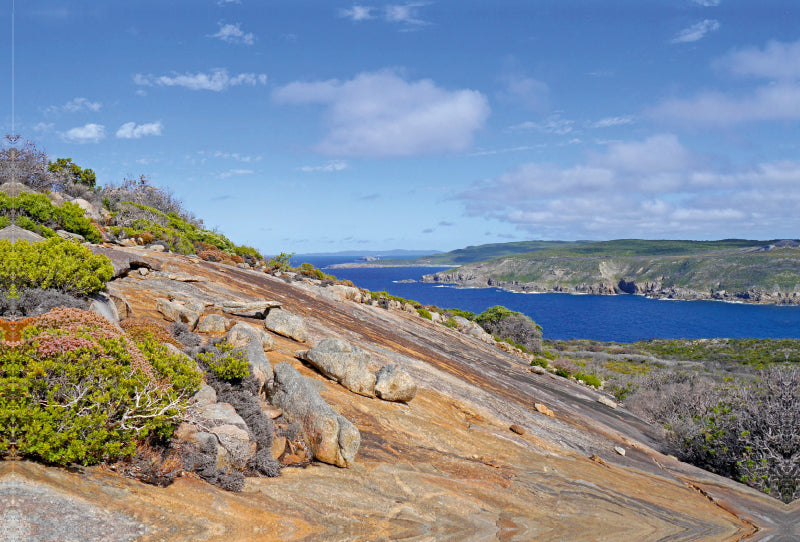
column 621, row 318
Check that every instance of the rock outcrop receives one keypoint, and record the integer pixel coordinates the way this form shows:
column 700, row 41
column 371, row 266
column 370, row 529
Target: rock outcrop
column 331, row 437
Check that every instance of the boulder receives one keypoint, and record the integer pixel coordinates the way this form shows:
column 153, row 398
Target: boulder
column 331, row 438
column 242, row 334
column 287, row 324
column 213, row 323
column 230, row 430
column 394, row 384
column 105, row 307
column 175, row 312
column 89, row 210
column 204, row 396
column 123, row 262
column 347, row 364
column 260, row 367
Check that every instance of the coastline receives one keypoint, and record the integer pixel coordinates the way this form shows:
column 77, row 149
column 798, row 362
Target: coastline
column 749, row 297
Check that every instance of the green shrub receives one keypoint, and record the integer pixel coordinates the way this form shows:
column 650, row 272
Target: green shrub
column 458, row 312
column 541, row 362
column 512, row 326
column 77, row 390
column 425, row 314
column 281, row 262
column 55, row 263
column 226, row 362
column 589, row 379
column 35, row 212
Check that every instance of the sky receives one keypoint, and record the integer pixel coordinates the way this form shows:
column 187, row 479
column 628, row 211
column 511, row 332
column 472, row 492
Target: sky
column 318, row 126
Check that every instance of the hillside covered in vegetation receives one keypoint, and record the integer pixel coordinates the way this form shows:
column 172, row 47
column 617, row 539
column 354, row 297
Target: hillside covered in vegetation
column 731, row 270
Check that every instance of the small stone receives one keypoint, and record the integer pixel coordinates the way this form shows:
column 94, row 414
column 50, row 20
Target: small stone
column 543, row 409
column 278, row 447
column 517, row 429
column 606, row 401
column 620, row 450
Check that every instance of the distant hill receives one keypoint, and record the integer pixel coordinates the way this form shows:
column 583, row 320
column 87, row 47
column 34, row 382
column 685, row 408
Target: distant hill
column 471, row 254
column 730, row 269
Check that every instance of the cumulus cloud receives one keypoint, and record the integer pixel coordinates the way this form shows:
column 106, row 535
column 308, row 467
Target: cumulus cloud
column 217, row 80
column 89, row 133
column 768, row 103
column 382, row 114
column 696, row 32
column 707, row 3
column 778, row 100
column 654, row 187
column 233, row 33
column 131, row 130
column 776, row 60
column 225, row 2
column 336, row 165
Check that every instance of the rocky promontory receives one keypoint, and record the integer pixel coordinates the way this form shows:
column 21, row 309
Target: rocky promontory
column 768, row 275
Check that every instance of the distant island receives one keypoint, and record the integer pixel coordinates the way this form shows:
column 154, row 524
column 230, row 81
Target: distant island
column 735, row 270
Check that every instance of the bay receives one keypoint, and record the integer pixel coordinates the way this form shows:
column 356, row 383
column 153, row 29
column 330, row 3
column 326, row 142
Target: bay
column 621, row 318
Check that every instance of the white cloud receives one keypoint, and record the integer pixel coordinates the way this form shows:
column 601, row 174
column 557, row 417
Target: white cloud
column 232, row 172
column 89, row 133
column 406, row 15
column 526, row 91
column 131, row 130
column 336, row 165
column 778, row 100
column 553, row 124
column 776, row 60
column 233, row 33
column 654, row 187
column 608, row 122
column 75, row 105
column 235, row 156
column 43, row 127
column 217, row 80
column 382, row 114
column 769, row 103
column 225, row 2
column 650, row 188
column 707, row 3
column 696, row 32
column 357, row 13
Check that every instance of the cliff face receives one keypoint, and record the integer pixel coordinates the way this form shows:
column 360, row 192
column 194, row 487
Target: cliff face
column 446, row 466
column 769, row 275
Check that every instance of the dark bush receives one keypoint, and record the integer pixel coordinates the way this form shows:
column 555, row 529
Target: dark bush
column 35, row 301
column 184, row 335
column 507, row 324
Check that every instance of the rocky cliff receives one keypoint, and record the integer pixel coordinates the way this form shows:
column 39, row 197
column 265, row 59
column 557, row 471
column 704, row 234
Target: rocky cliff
column 486, row 450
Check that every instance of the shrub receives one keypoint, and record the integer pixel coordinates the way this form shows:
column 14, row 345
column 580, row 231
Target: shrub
column 225, row 361
column 35, row 212
column 35, row 301
column 425, row 314
column 458, row 312
column 281, row 262
column 78, row 390
column 589, row 379
column 515, row 326
column 565, row 367
column 56, row 263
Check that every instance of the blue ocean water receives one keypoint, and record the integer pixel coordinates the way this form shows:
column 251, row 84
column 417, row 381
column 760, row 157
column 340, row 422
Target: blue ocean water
column 622, row 318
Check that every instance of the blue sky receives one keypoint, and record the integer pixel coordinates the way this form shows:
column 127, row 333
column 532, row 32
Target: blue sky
column 312, row 126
